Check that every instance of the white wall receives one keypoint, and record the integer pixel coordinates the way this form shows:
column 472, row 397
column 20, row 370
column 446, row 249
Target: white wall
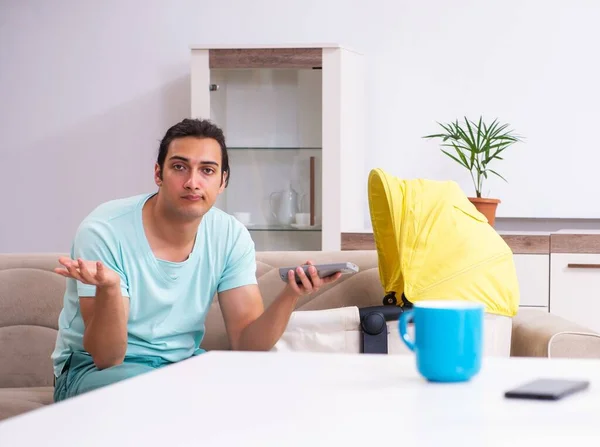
column 87, row 90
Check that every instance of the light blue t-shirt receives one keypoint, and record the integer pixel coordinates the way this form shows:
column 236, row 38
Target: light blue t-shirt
column 168, row 301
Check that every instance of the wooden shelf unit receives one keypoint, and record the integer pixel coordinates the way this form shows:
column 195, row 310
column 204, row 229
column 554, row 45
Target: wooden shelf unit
column 310, row 98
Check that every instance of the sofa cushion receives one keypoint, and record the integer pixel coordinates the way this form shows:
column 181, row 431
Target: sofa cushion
column 15, row 401
column 574, row 344
column 361, row 289
column 25, row 356
column 31, row 298
column 537, row 333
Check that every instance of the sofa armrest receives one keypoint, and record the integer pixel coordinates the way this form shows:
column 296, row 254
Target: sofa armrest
column 537, row 333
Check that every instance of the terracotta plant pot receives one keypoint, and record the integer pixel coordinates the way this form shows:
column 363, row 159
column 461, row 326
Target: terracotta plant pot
column 487, row 207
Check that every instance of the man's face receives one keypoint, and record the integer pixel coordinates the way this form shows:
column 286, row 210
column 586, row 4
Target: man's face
column 191, row 177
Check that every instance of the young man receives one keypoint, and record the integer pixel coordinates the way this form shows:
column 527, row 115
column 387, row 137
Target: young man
column 143, row 271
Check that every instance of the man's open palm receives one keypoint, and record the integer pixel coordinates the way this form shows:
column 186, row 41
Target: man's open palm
column 88, row 272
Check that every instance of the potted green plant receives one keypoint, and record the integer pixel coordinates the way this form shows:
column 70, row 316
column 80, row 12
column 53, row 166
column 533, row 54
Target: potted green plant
column 475, row 146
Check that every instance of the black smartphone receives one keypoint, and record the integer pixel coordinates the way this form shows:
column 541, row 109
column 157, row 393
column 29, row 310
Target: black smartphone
column 547, row 389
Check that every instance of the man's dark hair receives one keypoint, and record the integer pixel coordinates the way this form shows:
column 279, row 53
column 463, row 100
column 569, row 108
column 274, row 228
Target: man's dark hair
column 198, row 128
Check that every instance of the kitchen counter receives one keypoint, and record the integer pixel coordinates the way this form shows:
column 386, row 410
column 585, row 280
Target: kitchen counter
column 520, row 242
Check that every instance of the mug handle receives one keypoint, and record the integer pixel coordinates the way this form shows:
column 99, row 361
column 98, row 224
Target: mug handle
column 405, row 317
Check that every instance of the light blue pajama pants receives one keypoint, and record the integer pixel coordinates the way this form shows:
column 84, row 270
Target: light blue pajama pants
column 80, row 375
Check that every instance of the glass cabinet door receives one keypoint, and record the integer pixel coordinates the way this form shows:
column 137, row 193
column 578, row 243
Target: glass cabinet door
column 272, row 123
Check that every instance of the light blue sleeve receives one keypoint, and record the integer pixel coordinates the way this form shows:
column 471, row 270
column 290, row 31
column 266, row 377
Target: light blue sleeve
column 240, row 267
column 95, row 241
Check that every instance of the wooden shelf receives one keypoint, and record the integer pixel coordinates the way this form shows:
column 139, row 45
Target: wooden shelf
column 525, row 243
column 282, row 228
column 519, row 243
column 266, row 58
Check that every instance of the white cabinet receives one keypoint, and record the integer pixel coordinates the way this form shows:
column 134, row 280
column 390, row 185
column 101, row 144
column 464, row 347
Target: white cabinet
column 294, row 118
column 533, row 272
column 575, row 288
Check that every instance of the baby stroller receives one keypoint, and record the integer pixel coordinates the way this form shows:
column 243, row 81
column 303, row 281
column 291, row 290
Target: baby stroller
column 432, row 243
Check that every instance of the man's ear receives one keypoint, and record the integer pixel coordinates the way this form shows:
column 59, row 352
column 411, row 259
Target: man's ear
column 223, row 182
column 157, row 175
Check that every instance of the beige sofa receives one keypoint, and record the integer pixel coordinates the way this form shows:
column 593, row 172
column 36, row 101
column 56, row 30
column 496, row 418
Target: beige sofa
column 31, row 299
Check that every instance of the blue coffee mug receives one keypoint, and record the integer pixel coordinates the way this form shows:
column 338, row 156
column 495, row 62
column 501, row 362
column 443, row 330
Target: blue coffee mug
column 448, row 339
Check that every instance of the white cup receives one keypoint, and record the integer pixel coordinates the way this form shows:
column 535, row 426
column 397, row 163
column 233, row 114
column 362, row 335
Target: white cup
column 243, row 217
column 303, row 218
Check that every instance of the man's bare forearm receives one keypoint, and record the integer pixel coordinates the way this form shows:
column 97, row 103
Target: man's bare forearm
column 265, row 331
column 105, row 336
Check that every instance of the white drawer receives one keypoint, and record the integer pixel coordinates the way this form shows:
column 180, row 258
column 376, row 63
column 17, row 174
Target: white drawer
column 533, row 273
column 575, row 288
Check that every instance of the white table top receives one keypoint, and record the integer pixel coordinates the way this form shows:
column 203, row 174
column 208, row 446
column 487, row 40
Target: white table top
column 288, row 399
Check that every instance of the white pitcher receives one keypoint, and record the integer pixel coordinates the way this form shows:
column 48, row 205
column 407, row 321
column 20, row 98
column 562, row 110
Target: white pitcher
column 288, row 205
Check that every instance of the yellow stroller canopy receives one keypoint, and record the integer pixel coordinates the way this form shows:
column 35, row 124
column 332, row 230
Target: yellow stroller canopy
column 432, row 243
